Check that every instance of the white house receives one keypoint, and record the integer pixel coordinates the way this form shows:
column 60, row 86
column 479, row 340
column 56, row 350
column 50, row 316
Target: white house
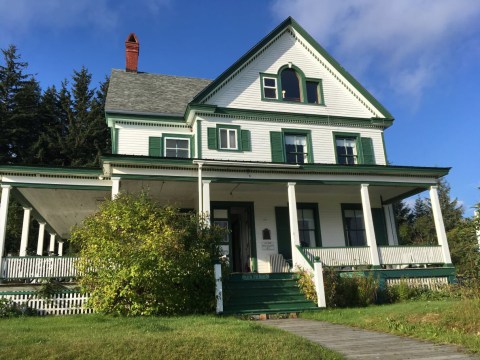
column 285, row 148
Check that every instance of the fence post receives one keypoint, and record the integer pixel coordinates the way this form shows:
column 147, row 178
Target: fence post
column 319, row 285
column 218, row 287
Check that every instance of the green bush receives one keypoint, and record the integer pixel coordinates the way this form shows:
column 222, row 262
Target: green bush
column 138, row 258
column 307, row 285
column 9, row 308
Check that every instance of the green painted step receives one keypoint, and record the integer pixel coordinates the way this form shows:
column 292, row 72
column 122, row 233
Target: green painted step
column 267, row 311
column 263, row 291
column 260, row 284
column 259, row 299
column 273, row 305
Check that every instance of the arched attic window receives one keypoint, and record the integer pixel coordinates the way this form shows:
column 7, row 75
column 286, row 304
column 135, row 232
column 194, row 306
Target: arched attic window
column 291, row 82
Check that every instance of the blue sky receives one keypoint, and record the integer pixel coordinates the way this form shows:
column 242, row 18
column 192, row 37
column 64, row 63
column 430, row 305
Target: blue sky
column 419, row 58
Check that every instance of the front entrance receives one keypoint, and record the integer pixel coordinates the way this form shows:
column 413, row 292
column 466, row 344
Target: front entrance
column 239, row 243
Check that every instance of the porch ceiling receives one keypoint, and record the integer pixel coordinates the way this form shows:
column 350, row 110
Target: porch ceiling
column 62, row 208
column 178, row 193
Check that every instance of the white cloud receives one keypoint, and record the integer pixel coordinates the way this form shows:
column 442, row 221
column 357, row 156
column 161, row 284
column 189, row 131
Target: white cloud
column 408, row 41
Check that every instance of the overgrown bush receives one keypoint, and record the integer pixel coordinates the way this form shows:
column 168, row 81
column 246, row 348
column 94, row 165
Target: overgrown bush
column 307, row 285
column 138, row 258
column 8, row 308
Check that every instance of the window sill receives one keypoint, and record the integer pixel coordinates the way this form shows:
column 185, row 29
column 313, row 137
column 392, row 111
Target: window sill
column 291, row 102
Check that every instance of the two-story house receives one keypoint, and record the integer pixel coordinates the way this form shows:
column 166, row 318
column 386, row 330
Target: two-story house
column 284, row 148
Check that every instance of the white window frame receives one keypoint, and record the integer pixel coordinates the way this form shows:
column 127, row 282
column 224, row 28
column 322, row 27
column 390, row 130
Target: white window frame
column 176, row 138
column 228, row 145
column 269, row 87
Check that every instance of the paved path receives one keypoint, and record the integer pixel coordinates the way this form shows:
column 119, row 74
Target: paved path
column 361, row 344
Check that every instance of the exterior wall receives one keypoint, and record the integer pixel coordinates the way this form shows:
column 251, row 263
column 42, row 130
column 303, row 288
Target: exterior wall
column 244, row 90
column 133, row 139
column 322, row 140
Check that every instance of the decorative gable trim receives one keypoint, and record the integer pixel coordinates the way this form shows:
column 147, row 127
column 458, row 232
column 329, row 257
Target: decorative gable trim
column 292, row 27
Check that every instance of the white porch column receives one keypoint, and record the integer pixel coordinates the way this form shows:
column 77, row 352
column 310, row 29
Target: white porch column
column 41, row 237
column 391, row 225
column 293, row 217
column 206, row 200
column 200, row 192
column 369, row 229
column 115, row 186
column 60, row 247
column 25, row 231
column 3, row 218
column 51, row 248
column 439, row 226
column 218, row 288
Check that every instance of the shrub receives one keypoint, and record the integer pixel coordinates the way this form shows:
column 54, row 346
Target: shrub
column 307, row 285
column 138, row 258
column 9, row 308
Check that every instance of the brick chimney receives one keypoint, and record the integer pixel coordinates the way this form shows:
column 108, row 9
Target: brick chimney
column 132, row 49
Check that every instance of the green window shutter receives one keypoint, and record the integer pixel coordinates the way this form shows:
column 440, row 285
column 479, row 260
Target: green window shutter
column 154, row 146
column 246, row 142
column 212, row 138
column 379, row 226
column 276, row 143
column 367, row 149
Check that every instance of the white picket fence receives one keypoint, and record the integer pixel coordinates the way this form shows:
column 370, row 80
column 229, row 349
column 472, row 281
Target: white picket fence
column 68, row 303
column 34, row 267
column 432, row 283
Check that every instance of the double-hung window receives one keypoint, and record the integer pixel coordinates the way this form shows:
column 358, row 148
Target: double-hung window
column 228, row 139
column 354, row 226
column 306, row 226
column 177, row 148
column 293, row 146
column 296, row 148
column 347, row 152
column 269, row 87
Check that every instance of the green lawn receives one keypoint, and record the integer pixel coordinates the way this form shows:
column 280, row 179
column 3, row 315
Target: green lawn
column 452, row 321
column 191, row 337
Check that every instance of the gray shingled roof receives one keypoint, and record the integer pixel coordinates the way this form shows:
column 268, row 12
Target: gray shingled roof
column 151, row 93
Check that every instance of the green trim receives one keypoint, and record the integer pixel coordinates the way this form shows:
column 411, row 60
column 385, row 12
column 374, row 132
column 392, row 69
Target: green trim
column 179, row 136
column 266, row 40
column 251, row 209
column 308, row 134
column 159, row 177
column 199, row 139
column 320, row 95
column 114, row 137
column 155, row 146
column 298, row 117
column 60, row 186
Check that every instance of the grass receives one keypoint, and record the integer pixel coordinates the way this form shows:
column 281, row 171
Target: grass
column 190, row 337
column 448, row 321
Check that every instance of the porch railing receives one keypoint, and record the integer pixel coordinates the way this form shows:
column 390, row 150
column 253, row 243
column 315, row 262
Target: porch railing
column 398, row 255
column 339, row 256
column 388, row 255
column 35, row 267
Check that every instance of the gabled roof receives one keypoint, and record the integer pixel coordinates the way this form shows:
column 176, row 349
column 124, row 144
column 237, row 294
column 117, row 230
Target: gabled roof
column 144, row 93
column 258, row 47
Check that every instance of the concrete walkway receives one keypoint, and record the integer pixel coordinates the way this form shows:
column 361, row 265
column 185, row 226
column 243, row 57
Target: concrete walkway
column 356, row 343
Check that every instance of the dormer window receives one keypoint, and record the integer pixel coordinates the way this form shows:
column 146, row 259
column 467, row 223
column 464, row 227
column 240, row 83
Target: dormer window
column 291, row 85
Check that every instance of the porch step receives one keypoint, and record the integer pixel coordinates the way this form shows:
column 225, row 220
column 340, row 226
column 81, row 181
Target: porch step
column 264, row 293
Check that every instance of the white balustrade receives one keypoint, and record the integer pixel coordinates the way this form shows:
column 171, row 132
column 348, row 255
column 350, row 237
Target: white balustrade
column 398, row 255
column 38, row 267
column 346, row 256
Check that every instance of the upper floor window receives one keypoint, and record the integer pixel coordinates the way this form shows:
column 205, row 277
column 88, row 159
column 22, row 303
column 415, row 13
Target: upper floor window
column 351, row 149
column 296, row 148
column 292, row 146
column 291, row 85
column 228, row 139
column 346, row 150
column 178, row 148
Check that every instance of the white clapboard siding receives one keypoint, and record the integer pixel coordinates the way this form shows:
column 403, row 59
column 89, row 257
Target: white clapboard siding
column 322, row 140
column 244, row 90
column 133, row 139
column 68, row 303
column 39, row 267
